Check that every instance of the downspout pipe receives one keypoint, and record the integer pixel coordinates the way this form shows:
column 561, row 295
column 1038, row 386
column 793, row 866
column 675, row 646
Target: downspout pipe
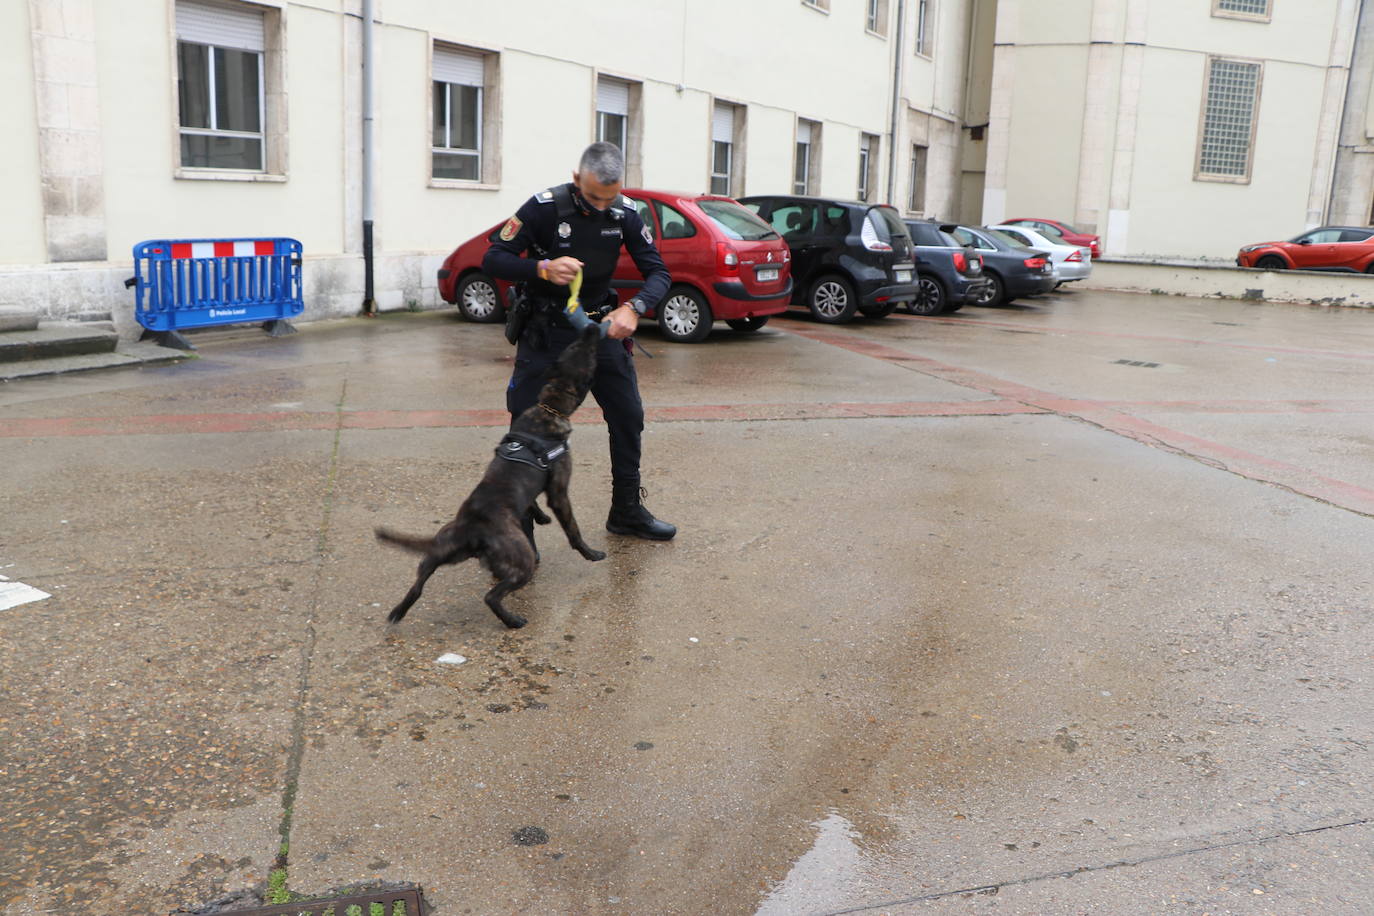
column 1345, row 113
column 369, row 166
column 900, row 51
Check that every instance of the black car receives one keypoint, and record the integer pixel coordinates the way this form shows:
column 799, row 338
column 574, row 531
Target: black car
column 847, row 256
column 1013, row 269
column 948, row 274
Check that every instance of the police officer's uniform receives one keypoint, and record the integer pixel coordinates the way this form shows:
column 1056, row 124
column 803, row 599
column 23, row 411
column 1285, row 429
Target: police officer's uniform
column 552, row 224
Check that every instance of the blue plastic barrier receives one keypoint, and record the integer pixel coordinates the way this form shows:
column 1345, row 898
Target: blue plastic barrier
column 193, row 283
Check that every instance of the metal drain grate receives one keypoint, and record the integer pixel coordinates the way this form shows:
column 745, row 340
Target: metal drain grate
column 402, row 902
column 1137, row 362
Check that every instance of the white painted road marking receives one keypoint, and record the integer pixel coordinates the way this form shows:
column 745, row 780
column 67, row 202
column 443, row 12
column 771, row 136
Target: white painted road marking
column 13, row 594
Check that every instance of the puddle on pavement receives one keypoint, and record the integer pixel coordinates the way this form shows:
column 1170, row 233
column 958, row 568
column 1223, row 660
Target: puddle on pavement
column 824, row 878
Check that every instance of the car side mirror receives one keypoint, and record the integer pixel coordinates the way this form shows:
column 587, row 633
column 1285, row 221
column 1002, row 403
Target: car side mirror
column 1304, row 241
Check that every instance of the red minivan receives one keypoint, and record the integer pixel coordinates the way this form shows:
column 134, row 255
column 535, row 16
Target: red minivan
column 726, row 263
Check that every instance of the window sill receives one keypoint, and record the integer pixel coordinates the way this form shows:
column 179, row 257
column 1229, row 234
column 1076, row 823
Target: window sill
column 873, row 34
column 1223, row 179
column 461, row 185
column 226, row 175
column 1243, row 17
column 815, row 6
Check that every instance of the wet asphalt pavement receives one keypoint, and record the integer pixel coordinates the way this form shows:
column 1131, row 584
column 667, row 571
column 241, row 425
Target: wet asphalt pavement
column 1063, row 607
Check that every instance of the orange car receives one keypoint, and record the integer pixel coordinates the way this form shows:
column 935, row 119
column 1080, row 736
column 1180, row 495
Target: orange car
column 1343, row 248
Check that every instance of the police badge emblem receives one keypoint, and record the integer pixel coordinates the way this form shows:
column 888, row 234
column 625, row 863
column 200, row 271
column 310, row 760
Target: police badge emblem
column 648, row 236
column 564, row 230
column 511, row 227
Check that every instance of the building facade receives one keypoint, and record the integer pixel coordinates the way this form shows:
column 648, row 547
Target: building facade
column 1176, row 128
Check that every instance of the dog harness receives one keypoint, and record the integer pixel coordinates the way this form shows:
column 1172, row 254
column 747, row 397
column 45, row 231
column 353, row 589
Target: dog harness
column 535, row 451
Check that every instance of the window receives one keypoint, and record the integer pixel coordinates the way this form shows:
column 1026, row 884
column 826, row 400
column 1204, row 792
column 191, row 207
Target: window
column 1242, row 9
column 875, row 18
column 924, row 27
column 1228, row 120
column 806, row 164
column 675, row 224
column 220, row 86
column 822, row 5
column 868, row 158
column 916, row 203
column 794, row 220
column 459, row 97
column 612, row 111
column 727, row 128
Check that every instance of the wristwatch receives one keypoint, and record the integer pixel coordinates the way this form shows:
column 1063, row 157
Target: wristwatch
column 639, row 307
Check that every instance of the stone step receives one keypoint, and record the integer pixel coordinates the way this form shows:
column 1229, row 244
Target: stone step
column 128, row 353
column 17, row 318
column 55, row 338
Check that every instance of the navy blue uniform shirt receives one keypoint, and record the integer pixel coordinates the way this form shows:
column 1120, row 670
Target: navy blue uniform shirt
column 592, row 236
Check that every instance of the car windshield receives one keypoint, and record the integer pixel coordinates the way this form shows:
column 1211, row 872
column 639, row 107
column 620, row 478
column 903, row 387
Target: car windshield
column 735, row 221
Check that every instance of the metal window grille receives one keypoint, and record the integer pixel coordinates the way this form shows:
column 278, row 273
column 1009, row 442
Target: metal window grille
column 1249, row 7
column 872, row 19
column 923, row 28
column 1232, row 87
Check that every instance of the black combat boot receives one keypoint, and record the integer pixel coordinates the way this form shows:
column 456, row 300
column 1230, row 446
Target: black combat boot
column 628, row 515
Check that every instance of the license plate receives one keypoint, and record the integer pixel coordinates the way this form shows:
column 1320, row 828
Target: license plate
column 764, row 274
column 903, row 276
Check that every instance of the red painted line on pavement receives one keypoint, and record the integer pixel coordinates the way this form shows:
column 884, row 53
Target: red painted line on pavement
column 178, row 424
column 1246, row 464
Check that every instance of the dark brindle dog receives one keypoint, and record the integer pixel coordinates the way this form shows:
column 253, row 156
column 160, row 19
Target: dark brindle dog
column 531, row 460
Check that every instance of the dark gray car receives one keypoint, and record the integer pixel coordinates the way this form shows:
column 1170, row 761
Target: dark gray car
column 1012, row 269
column 847, row 256
column 948, row 274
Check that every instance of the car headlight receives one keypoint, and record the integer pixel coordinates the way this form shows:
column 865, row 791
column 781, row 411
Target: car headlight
column 1252, row 248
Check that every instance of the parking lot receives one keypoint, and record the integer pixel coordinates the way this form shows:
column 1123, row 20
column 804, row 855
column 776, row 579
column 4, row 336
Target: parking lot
column 1058, row 607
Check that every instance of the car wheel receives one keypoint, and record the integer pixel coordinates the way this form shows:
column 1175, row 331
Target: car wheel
column 994, row 292
column 1271, row 262
column 684, row 316
column 930, row 296
column 478, row 299
column 832, row 300
column 747, row 325
column 1369, row 268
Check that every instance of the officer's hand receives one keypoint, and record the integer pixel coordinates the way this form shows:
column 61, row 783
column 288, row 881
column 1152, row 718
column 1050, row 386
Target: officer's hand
column 563, row 270
column 623, row 323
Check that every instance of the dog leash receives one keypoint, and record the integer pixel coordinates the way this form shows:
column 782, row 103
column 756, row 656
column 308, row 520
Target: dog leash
column 578, row 318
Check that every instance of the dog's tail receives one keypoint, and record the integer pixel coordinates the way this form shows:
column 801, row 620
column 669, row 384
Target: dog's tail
column 407, row 541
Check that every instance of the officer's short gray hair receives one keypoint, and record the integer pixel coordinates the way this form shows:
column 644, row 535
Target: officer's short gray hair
column 604, row 161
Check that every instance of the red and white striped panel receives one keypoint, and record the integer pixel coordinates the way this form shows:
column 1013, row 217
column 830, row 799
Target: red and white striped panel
column 241, row 249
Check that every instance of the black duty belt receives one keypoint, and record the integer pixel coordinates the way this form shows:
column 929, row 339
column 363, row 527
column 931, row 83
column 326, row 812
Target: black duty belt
column 535, row 451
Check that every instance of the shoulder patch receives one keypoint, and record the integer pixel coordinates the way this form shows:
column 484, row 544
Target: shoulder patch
column 648, row 235
column 511, row 228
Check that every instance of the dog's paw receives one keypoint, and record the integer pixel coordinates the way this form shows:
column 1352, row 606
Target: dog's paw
column 594, row 555
column 514, row 621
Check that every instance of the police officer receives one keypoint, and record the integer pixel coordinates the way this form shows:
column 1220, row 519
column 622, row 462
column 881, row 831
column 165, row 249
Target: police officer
column 582, row 225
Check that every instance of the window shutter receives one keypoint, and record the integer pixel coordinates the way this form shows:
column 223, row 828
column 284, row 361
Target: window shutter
column 723, row 123
column 461, row 67
column 803, row 131
column 613, row 96
column 220, row 24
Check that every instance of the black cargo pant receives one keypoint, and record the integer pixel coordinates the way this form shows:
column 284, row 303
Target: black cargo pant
column 615, row 387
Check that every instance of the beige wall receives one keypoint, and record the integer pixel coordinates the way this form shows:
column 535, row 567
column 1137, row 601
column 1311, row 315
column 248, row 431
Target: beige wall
column 1100, row 103
column 21, row 187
